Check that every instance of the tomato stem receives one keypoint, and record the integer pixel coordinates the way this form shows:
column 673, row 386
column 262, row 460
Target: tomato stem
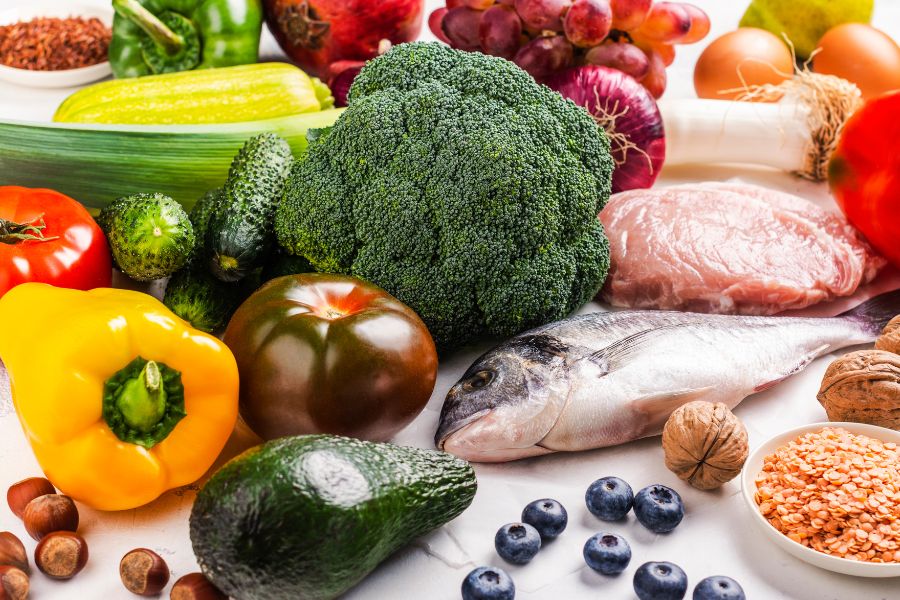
column 12, row 232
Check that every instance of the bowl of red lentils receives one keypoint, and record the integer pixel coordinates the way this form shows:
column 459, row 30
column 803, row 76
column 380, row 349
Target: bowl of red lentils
column 55, row 43
column 829, row 494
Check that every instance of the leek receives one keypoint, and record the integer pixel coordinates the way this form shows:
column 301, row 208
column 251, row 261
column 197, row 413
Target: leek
column 96, row 164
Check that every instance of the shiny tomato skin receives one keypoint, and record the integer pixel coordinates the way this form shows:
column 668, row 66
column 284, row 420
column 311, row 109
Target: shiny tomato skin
column 864, row 173
column 330, row 354
column 74, row 253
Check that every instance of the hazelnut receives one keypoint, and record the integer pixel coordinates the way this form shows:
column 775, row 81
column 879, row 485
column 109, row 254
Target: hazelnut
column 143, row 572
column 14, row 583
column 20, row 494
column 61, row 554
column 705, row 444
column 194, row 586
column 48, row 513
column 12, row 552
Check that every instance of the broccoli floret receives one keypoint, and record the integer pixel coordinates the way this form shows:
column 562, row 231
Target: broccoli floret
column 461, row 186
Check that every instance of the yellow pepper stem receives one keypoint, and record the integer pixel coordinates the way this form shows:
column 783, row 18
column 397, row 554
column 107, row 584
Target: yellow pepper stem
column 143, row 402
column 143, row 399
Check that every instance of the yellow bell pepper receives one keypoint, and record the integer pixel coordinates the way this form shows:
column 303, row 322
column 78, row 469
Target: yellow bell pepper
column 120, row 399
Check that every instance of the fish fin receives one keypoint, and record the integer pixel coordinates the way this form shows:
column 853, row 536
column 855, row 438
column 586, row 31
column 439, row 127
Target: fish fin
column 617, row 354
column 656, row 409
column 874, row 314
column 802, row 364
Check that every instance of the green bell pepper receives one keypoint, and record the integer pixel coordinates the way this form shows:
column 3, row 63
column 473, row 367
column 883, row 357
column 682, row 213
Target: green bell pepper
column 163, row 36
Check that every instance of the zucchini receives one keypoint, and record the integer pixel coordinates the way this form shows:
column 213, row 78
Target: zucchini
column 226, row 95
column 96, row 164
column 240, row 234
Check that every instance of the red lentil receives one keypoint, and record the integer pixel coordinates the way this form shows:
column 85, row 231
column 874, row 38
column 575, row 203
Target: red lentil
column 51, row 44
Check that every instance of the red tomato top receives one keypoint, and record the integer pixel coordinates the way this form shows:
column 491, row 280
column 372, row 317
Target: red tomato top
column 48, row 237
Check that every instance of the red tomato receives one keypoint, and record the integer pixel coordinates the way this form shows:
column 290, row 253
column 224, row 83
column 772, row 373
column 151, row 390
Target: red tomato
column 864, row 173
column 50, row 238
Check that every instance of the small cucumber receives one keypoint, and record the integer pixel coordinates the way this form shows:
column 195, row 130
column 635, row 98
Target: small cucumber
column 240, row 234
column 150, row 235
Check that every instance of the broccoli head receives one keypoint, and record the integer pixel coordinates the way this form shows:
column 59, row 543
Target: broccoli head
column 462, row 187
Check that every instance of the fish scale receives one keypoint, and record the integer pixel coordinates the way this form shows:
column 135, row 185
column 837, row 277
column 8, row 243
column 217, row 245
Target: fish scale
column 607, row 378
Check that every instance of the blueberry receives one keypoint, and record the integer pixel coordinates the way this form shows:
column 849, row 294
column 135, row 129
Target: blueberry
column 658, row 508
column 719, row 587
column 660, row 581
column 517, row 542
column 609, row 498
column 488, row 583
column 607, row 553
column 548, row 516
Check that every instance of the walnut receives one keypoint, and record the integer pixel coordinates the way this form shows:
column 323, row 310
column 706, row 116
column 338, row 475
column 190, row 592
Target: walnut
column 889, row 340
column 705, row 444
column 863, row 387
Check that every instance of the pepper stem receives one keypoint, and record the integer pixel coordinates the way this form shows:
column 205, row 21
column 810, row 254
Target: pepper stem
column 161, row 35
column 143, row 399
column 143, row 402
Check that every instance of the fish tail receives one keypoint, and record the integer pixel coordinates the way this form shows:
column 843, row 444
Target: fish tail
column 872, row 315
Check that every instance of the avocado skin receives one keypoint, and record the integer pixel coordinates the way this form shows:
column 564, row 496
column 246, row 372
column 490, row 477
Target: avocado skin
column 129, row 224
column 241, row 230
column 308, row 517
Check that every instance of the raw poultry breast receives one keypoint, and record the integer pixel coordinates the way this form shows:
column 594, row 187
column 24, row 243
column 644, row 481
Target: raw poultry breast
column 729, row 248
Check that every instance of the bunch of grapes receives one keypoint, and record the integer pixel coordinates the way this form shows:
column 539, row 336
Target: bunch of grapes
column 636, row 37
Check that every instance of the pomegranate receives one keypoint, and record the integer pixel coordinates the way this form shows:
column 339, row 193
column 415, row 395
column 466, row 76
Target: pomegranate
column 316, row 33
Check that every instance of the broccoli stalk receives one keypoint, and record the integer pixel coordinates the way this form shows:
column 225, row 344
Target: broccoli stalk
column 461, row 186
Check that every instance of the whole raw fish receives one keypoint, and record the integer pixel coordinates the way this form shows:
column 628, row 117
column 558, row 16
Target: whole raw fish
column 607, row 378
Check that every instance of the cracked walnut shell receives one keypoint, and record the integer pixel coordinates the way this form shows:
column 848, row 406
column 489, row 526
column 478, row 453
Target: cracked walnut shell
column 705, row 444
column 863, row 387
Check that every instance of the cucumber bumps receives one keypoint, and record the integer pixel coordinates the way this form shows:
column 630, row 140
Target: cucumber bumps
column 150, row 235
column 240, row 234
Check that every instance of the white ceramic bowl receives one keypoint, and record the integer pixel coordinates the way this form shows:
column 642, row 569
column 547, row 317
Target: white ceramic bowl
column 30, row 9
column 819, row 559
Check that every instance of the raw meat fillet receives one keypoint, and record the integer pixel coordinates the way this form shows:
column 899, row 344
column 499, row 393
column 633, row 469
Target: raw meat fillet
column 731, row 249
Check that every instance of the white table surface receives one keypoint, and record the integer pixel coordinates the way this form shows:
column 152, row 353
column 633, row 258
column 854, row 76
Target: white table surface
column 716, row 536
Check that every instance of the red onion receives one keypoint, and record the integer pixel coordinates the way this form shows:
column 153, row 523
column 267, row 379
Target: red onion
column 628, row 113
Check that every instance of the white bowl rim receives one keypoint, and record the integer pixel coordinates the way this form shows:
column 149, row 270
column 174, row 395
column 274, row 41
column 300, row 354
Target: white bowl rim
column 56, row 8
column 816, row 558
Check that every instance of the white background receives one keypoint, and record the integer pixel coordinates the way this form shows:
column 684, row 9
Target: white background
column 716, row 536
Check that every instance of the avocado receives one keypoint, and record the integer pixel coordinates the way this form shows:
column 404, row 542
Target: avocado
column 308, row 517
column 150, row 235
column 240, row 233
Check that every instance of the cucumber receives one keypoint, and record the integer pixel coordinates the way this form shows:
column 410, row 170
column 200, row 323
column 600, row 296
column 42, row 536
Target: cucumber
column 202, row 300
column 240, row 234
column 150, row 235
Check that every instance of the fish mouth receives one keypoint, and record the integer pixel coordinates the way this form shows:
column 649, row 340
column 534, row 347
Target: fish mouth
column 445, row 431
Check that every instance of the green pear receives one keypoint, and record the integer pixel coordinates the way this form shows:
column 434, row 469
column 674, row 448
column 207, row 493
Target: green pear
column 805, row 21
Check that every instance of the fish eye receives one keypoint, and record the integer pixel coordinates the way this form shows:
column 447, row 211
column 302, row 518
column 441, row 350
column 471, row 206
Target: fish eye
column 480, row 379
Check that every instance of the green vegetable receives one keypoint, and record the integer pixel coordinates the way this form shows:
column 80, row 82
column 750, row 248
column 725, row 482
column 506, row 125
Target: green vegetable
column 229, row 95
column 240, row 235
column 165, row 36
column 150, row 235
column 462, row 187
column 193, row 293
column 281, row 264
column 96, row 164
column 310, row 516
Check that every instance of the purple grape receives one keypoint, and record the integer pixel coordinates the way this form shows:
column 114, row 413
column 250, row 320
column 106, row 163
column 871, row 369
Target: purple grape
column 460, row 25
column 500, row 31
column 588, row 22
column 625, row 57
column 543, row 15
column 544, row 56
